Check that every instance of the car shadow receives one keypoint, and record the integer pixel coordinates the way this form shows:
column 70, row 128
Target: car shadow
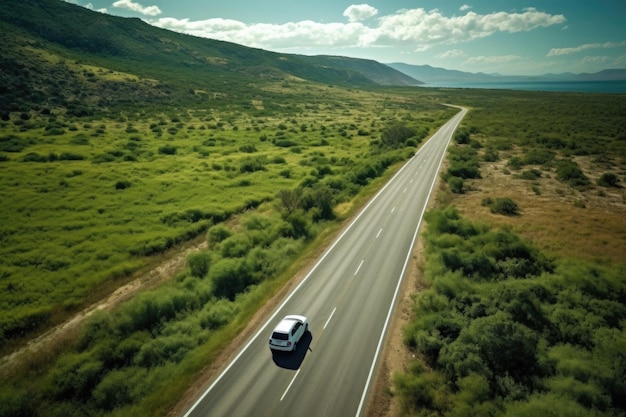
column 293, row 360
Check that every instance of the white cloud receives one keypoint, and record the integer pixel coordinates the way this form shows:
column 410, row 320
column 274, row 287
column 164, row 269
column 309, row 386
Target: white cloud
column 417, row 29
column 90, row 7
column 358, row 12
column 137, row 7
column 465, row 7
column 452, row 53
column 298, row 34
column 577, row 49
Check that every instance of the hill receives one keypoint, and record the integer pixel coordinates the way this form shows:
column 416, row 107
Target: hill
column 428, row 74
column 42, row 40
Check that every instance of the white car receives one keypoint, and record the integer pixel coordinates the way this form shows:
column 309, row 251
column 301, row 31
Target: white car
column 288, row 332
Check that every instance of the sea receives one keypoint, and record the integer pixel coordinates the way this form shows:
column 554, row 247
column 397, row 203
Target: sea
column 610, row 87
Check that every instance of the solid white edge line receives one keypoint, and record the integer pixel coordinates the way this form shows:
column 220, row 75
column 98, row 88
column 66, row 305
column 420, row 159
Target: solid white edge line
column 330, row 317
column 395, row 295
column 305, row 279
column 379, row 232
column 290, row 384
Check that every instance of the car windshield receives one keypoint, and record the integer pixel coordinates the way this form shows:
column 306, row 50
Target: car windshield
column 280, row 336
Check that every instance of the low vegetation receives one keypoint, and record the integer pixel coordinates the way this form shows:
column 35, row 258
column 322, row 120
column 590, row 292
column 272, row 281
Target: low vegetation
column 523, row 307
column 133, row 195
column 107, row 167
column 503, row 330
column 90, row 208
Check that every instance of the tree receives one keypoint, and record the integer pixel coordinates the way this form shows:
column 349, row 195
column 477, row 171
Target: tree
column 290, row 200
column 396, row 136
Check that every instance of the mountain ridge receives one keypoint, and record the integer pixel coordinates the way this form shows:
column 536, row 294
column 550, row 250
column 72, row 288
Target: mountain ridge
column 429, row 74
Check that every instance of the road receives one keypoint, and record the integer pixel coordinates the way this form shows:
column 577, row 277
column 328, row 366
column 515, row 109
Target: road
column 348, row 296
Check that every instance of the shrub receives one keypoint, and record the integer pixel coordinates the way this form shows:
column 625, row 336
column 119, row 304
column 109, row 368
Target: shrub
column 69, row 156
column 464, row 170
column 495, row 347
column 236, row 246
column 122, row 185
column 217, row 314
column 396, row 136
column 34, row 157
column 491, row 155
column 248, row 148
column 217, row 234
column 538, row 157
column 456, row 185
column 502, row 205
column 608, row 179
column 568, row 171
column 462, row 137
column 530, row 174
column 252, row 165
column 199, row 264
column 168, row 150
column 463, row 163
column 515, row 163
column 230, row 277
column 103, row 158
column 12, row 143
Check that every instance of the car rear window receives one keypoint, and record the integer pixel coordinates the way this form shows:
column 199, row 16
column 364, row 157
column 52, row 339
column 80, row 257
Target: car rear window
column 280, row 336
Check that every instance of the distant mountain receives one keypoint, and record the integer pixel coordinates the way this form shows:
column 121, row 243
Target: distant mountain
column 47, row 46
column 369, row 68
column 433, row 75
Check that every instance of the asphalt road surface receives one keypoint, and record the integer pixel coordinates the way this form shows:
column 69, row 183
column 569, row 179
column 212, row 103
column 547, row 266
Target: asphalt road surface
column 348, row 297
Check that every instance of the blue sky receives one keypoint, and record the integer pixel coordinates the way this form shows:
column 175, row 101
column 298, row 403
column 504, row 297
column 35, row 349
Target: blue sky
column 513, row 37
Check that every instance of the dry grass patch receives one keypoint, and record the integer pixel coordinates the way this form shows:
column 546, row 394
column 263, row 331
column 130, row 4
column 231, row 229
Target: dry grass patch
column 565, row 222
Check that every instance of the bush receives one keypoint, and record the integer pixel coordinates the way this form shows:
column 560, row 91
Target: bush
column 538, row 157
column 168, row 150
column 516, row 163
column 248, row 148
column 199, row 264
column 491, row 155
column 122, row 185
column 568, row 171
column 608, row 179
column 502, row 205
column 217, row 234
column 12, row 143
column 462, row 137
column 34, row 157
column 396, row 136
column 230, row 277
column 456, row 185
column 69, row 156
column 236, row 246
column 252, row 165
column 216, row 315
column 530, row 174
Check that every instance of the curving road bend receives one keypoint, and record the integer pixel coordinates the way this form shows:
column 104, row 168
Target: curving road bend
column 349, row 297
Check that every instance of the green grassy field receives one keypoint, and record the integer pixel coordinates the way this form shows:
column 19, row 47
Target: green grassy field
column 86, row 200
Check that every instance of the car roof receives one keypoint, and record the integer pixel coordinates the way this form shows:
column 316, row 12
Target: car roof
column 287, row 323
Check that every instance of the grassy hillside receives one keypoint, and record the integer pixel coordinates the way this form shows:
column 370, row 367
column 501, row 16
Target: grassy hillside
column 43, row 40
